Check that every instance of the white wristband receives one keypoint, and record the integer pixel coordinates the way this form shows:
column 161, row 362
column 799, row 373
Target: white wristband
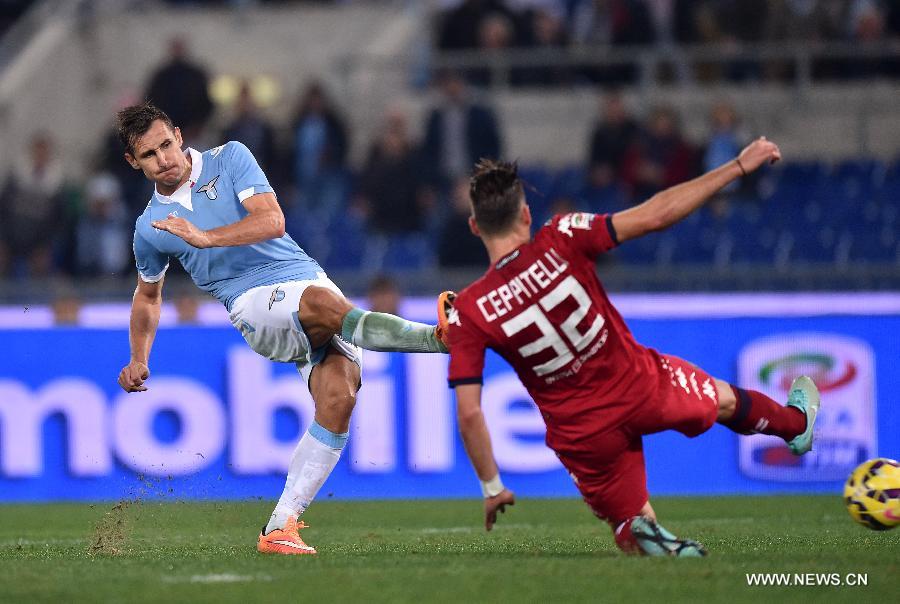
column 492, row 487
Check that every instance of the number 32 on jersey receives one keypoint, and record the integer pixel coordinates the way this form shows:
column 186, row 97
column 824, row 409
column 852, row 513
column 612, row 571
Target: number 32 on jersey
column 551, row 337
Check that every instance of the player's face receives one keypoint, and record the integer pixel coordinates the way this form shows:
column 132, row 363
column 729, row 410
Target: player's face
column 159, row 156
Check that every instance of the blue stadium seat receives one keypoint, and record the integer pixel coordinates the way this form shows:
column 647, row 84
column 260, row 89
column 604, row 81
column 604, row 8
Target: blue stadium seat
column 604, row 200
column 815, row 245
column 345, row 245
column 539, row 177
column 876, row 245
column 538, row 182
column 408, row 252
column 569, row 182
column 643, row 250
column 694, row 239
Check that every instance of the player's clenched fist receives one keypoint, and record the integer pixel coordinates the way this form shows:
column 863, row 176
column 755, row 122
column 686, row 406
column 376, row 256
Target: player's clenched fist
column 495, row 503
column 757, row 153
column 132, row 377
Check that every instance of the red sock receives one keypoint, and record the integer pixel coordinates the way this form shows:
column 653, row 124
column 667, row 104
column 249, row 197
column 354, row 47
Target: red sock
column 756, row 413
column 625, row 538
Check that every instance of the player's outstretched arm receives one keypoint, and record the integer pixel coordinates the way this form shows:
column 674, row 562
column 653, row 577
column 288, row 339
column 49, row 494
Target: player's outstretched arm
column 264, row 221
column 668, row 207
column 145, row 307
column 478, row 447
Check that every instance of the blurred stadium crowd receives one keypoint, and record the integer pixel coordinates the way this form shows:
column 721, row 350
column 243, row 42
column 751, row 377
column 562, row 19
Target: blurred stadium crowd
column 492, row 25
column 405, row 206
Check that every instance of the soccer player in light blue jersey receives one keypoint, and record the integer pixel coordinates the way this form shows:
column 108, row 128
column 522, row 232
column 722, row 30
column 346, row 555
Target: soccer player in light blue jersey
column 217, row 215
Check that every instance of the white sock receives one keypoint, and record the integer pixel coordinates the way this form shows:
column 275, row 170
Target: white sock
column 313, row 460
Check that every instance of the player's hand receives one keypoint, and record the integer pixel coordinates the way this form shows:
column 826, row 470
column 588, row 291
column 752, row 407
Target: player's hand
column 132, row 377
column 494, row 504
column 183, row 228
column 759, row 152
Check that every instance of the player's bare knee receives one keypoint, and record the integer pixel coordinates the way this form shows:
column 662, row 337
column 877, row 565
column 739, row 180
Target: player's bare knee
column 321, row 313
column 337, row 399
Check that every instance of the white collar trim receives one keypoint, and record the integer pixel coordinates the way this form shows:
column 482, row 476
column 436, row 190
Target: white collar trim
column 182, row 194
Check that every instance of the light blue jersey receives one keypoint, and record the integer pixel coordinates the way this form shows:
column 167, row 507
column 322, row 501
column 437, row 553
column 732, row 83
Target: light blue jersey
column 221, row 180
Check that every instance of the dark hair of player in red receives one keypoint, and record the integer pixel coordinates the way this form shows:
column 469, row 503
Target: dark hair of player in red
column 496, row 193
column 133, row 122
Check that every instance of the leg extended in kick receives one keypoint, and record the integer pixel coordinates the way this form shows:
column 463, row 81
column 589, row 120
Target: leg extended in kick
column 751, row 412
column 325, row 313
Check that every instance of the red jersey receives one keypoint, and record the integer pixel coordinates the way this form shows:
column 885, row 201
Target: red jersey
column 543, row 309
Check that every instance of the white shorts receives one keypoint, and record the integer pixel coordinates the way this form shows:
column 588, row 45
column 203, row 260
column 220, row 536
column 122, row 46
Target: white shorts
column 267, row 317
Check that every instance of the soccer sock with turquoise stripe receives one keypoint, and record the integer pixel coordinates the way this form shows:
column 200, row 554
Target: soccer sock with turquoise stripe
column 389, row 333
column 313, row 460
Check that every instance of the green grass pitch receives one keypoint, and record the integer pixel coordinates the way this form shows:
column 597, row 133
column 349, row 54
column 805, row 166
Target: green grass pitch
column 543, row 550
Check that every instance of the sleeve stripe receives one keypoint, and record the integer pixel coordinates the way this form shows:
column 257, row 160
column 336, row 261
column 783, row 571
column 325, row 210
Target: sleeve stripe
column 463, row 381
column 154, row 278
column 611, row 229
column 246, row 193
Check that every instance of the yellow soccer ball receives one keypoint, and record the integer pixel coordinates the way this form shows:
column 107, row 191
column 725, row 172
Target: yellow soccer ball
column 872, row 494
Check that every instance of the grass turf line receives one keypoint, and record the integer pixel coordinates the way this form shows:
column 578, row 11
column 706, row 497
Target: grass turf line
column 424, row 550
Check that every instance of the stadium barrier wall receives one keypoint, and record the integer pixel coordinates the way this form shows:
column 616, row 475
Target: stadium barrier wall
column 220, row 422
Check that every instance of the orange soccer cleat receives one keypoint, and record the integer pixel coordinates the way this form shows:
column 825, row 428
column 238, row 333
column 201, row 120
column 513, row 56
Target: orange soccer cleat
column 444, row 307
column 284, row 541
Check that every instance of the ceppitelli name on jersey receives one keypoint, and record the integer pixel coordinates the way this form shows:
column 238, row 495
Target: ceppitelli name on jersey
column 521, row 288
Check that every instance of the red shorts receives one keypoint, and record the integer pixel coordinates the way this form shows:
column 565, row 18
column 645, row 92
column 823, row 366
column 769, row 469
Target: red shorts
column 608, row 467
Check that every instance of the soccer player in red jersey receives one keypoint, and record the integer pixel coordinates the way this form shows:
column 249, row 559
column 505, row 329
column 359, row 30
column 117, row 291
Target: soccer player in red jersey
column 541, row 307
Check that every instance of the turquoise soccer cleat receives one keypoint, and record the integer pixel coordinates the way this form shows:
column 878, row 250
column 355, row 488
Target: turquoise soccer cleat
column 805, row 397
column 654, row 540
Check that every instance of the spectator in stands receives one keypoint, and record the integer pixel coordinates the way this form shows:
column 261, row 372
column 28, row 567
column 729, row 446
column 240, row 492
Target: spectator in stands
column 789, row 20
column 103, row 233
column 741, row 21
column 384, row 295
column 612, row 22
column 892, row 19
column 866, row 21
column 659, row 158
column 457, row 246
column 460, row 28
column 391, row 191
column 613, row 135
column 187, row 307
column 320, row 154
column 458, row 132
column 66, row 305
column 671, row 26
column 546, row 30
column 496, row 32
column 33, row 209
column 725, row 141
column 495, row 35
column 180, row 88
column 866, row 25
column 563, row 205
column 250, row 128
